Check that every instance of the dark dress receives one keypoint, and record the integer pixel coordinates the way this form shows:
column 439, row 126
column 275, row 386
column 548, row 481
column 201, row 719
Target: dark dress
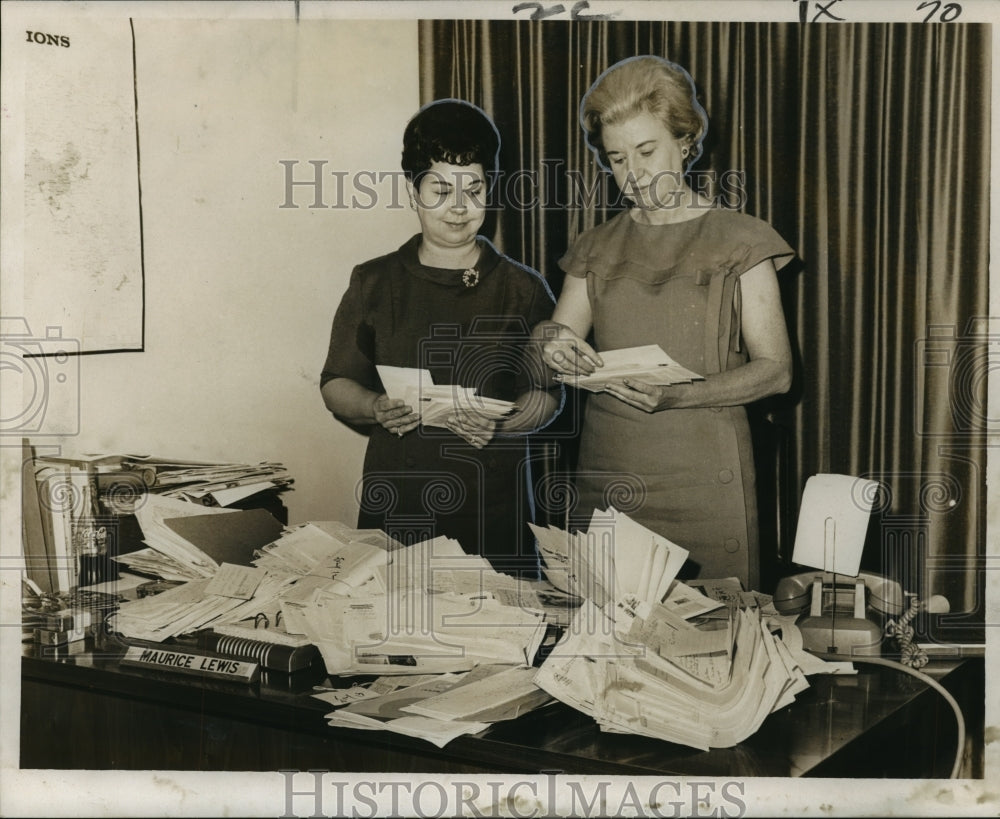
column 430, row 482
column 687, row 474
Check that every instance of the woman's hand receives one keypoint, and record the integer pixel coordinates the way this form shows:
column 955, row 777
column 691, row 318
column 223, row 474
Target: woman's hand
column 395, row 415
column 565, row 353
column 474, row 428
column 648, row 397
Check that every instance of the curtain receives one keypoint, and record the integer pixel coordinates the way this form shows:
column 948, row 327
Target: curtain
column 867, row 147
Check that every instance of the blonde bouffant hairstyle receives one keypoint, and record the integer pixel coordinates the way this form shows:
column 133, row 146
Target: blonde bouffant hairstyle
column 650, row 85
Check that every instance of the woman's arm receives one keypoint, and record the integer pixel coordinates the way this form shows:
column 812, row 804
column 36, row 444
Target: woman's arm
column 561, row 340
column 768, row 372
column 535, row 408
column 358, row 405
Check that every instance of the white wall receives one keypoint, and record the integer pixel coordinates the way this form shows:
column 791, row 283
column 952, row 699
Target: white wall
column 240, row 293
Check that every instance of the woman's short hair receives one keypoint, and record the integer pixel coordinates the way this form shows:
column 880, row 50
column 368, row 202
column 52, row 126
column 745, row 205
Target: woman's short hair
column 450, row 131
column 650, row 85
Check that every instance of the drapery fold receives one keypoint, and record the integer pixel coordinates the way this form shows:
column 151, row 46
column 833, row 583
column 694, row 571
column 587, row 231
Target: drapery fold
column 867, row 147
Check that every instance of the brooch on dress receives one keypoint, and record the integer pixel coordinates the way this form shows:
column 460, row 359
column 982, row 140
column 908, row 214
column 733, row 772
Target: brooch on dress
column 470, row 278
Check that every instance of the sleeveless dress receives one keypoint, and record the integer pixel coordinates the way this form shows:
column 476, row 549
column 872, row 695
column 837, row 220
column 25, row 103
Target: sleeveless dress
column 430, row 482
column 687, row 474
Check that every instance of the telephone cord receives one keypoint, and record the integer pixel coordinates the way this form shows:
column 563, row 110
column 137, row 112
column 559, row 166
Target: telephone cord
column 910, row 653
column 927, row 680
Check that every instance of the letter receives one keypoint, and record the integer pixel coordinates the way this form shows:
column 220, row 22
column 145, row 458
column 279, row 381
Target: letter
column 512, row 800
column 701, row 182
column 465, row 179
column 576, row 184
column 510, row 191
column 396, row 203
column 317, row 794
column 674, row 196
column 38, row 37
column 370, row 192
column 495, row 792
column 551, row 776
column 29, row 35
column 633, row 800
column 741, row 806
column 339, row 788
column 654, row 802
column 696, row 799
column 464, row 805
column 550, row 183
column 317, row 182
column 395, row 786
column 733, row 185
column 588, row 809
column 442, row 799
column 64, row 41
column 371, row 803
column 338, row 202
column 440, row 195
column 51, row 39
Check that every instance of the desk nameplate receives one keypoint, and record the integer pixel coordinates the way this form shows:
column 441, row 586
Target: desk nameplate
column 192, row 663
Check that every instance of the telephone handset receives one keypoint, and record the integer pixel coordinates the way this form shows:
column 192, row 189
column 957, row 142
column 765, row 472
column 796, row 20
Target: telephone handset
column 835, row 610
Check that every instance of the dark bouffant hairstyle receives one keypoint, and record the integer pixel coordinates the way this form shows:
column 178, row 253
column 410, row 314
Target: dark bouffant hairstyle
column 650, row 85
column 451, row 131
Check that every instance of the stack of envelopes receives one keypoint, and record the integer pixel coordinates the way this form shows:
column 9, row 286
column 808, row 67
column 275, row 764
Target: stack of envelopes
column 647, row 654
column 615, row 557
column 649, row 364
column 436, row 403
column 429, row 607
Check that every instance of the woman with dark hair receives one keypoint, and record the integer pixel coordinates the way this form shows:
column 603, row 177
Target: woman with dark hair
column 447, row 302
column 699, row 280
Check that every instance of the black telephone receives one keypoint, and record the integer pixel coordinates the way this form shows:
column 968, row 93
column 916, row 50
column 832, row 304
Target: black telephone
column 839, row 614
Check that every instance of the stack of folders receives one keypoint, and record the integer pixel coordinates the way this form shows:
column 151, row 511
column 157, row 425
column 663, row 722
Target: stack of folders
column 59, row 513
column 123, row 481
column 436, row 403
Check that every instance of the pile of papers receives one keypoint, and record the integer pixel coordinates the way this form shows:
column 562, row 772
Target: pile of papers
column 179, row 536
column 369, row 604
column 236, row 594
column 615, row 557
column 648, row 654
column 450, row 643
column 648, row 671
column 124, row 479
column 436, row 403
column 648, row 363
column 438, row 707
column 429, row 607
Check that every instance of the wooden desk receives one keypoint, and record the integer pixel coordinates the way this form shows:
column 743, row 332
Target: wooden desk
column 86, row 711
